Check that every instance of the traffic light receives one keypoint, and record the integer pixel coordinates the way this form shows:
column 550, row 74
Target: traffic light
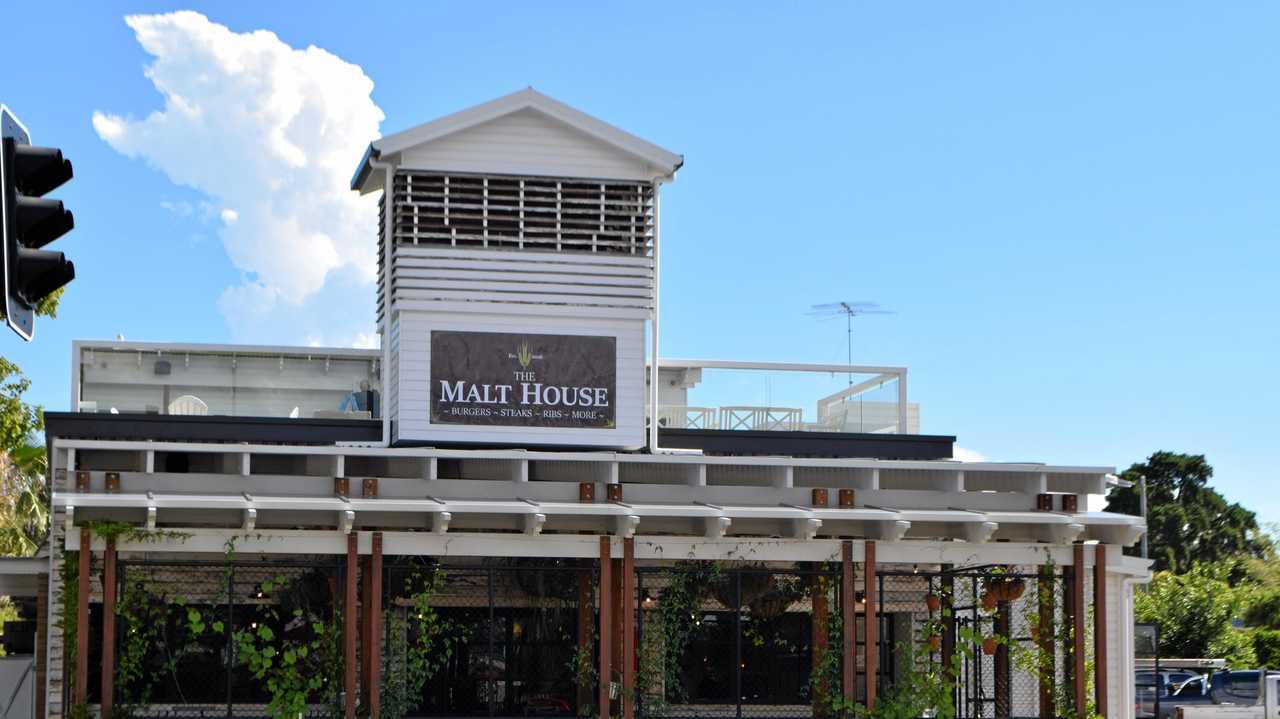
column 30, row 221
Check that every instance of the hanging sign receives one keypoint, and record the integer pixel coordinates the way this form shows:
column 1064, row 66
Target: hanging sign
column 523, row 380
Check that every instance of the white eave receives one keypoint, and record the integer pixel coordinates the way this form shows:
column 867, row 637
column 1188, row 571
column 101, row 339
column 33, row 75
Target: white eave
column 663, row 161
column 627, row 518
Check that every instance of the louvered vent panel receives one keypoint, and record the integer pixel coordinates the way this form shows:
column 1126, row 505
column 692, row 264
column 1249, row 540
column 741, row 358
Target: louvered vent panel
column 527, row 240
column 527, row 213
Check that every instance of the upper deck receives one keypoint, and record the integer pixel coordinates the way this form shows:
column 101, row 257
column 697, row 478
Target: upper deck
column 310, row 395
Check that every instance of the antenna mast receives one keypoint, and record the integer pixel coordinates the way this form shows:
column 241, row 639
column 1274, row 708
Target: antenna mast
column 850, row 309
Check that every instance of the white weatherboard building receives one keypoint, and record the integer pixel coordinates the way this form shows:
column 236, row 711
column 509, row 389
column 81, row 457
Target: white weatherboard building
column 481, row 517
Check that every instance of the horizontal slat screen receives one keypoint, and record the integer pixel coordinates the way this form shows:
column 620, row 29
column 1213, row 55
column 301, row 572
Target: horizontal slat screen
column 511, row 239
column 527, row 213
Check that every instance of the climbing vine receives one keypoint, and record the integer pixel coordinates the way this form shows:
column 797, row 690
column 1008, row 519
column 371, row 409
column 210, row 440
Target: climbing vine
column 295, row 653
column 126, row 532
column 425, row 639
column 68, row 621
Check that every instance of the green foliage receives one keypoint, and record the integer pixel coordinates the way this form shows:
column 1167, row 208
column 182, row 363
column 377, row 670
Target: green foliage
column 1195, row 611
column 126, row 532
column 1188, row 522
column 24, row 517
column 679, row 615
column 158, row 631
column 1266, row 645
column 1264, row 608
column 20, row 423
column 297, row 655
column 67, row 620
column 582, row 666
column 424, row 638
column 142, row 618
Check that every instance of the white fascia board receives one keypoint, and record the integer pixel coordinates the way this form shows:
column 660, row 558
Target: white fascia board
column 666, row 161
column 744, row 512
column 673, row 363
column 1107, row 518
column 1027, row 517
column 943, row 515
column 1119, row 563
column 210, row 348
column 678, row 511
column 564, row 456
column 856, row 514
column 333, row 542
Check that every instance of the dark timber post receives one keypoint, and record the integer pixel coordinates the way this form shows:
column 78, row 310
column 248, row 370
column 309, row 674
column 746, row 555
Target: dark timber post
column 82, row 619
column 108, row 628
column 818, row 630
column 848, row 664
column 584, row 632
column 628, row 627
column 871, row 623
column 366, row 630
column 1100, row 629
column 737, row 642
column 373, row 645
column 1077, row 630
column 1044, row 642
column 606, row 604
column 349, row 629
column 1003, row 673
column 947, row 587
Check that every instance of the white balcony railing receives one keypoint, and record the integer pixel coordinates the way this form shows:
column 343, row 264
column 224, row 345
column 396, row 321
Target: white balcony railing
column 773, row 397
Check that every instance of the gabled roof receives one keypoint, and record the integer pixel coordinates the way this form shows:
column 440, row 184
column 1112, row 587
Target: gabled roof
column 664, row 161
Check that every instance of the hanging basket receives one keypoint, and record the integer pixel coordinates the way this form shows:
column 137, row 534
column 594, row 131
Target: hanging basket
column 935, row 642
column 755, row 585
column 933, row 602
column 783, row 592
column 989, row 646
column 1014, row 589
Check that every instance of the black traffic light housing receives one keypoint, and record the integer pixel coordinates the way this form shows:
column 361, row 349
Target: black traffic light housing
column 29, row 222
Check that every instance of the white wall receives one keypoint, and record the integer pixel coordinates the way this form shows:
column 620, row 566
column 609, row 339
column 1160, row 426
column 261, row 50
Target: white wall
column 412, row 406
column 527, row 143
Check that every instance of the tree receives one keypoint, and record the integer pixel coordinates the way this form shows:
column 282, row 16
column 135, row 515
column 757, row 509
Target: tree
column 1188, row 522
column 1196, row 612
column 24, row 513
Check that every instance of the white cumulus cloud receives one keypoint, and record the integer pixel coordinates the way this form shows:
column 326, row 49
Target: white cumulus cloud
column 964, row 454
column 274, row 132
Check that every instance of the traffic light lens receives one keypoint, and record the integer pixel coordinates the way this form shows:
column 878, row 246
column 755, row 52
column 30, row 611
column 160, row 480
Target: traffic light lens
column 41, row 220
column 39, row 169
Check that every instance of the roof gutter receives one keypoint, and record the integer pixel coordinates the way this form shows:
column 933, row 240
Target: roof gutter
column 371, row 154
column 384, row 374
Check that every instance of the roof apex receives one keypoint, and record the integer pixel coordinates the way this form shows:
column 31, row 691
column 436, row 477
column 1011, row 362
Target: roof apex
column 664, row 161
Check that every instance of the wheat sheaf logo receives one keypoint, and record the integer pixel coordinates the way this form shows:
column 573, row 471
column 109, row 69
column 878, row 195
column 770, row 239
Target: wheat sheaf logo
column 523, row 356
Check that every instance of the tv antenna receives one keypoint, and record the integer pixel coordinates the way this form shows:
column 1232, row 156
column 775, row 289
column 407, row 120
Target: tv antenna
column 848, row 310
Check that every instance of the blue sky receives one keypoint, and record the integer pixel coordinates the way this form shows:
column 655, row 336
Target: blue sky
column 1071, row 208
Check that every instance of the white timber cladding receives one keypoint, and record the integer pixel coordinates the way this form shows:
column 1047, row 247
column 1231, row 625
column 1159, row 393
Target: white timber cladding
column 572, row 282
column 412, row 418
column 528, row 142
